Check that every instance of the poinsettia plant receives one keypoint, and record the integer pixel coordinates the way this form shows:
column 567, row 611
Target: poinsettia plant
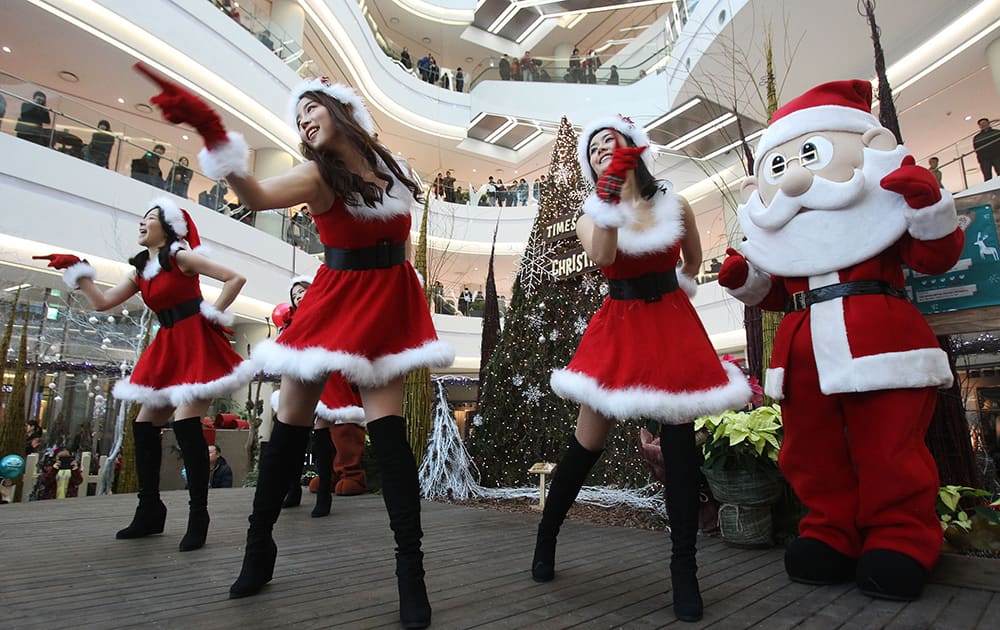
column 968, row 520
column 742, row 439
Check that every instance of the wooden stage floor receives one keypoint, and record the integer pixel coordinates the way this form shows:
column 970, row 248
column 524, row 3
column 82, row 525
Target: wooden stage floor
column 60, row 567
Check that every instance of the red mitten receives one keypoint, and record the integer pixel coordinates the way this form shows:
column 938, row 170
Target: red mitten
column 916, row 184
column 60, row 261
column 623, row 160
column 180, row 105
column 735, row 270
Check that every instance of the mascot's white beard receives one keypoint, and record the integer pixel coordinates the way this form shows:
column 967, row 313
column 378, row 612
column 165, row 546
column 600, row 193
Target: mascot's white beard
column 831, row 226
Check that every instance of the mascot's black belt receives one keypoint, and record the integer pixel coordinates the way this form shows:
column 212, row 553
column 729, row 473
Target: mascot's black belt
column 649, row 287
column 804, row 299
column 384, row 254
column 170, row 316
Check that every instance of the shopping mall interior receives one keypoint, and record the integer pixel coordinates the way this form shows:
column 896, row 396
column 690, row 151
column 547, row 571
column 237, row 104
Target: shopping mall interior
column 681, row 68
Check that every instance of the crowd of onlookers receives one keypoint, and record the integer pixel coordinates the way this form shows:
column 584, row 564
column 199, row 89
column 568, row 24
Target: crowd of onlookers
column 493, row 193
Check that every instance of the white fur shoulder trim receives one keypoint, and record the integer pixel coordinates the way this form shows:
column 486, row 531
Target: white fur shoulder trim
column 668, row 229
column 229, row 158
column 212, row 314
column 933, row 222
column 73, row 274
column 605, row 215
column 393, row 204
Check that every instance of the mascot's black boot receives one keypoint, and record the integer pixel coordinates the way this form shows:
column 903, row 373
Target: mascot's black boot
column 681, row 462
column 151, row 514
column 194, row 450
column 887, row 574
column 812, row 561
column 322, row 448
column 566, row 483
column 279, row 463
column 401, row 493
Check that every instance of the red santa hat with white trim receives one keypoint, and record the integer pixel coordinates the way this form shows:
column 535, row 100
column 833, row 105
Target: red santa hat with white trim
column 833, row 106
column 621, row 124
column 338, row 92
column 181, row 223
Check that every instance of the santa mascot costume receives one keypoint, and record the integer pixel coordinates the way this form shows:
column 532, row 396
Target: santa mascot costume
column 836, row 208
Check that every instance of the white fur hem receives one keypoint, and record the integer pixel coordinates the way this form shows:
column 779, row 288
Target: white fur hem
column 212, row 314
column 229, row 158
column 687, row 284
column 341, row 415
column 774, row 383
column 933, row 222
column 314, row 364
column 755, row 289
column 76, row 272
column 178, row 395
column 635, row 403
column 605, row 215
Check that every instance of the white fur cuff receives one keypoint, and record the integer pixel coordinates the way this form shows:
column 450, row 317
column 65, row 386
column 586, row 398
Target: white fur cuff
column 687, row 284
column 933, row 222
column 72, row 275
column 213, row 314
column 230, row 158
column 755, row 289
column 604, row 214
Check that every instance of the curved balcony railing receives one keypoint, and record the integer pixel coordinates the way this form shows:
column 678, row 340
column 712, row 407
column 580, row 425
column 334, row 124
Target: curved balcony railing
column 285, row 46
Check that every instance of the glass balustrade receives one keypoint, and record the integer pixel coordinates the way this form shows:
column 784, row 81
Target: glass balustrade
column 255, row 18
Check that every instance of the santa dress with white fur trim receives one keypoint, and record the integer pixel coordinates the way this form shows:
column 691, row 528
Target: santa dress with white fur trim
column 650, row 360
column 192, row 360
column 371, row 325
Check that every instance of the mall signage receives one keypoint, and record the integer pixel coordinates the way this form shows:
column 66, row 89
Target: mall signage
column 575, row 261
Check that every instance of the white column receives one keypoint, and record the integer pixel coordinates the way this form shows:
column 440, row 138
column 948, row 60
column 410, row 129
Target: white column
column 268, row 163
column 288, row 20
column 993, row 58
column 249, row 335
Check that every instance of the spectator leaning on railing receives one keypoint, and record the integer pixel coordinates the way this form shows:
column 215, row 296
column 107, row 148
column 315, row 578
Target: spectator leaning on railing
column 987, row 146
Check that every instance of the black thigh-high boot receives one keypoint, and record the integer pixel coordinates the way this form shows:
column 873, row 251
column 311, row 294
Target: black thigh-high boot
column 401, row 493
column 294, row 495
column 681, row 462
column 151, row 514
column 279, row 462
column 194, row 451
column 566, row 483
column 322, row 447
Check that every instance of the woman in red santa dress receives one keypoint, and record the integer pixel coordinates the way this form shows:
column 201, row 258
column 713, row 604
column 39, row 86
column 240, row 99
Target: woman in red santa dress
column 338, row 438
column 188, row 363
column 645, row 354
column 365, row 316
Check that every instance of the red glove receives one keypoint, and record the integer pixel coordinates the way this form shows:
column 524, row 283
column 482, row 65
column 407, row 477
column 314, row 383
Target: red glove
column 179, row 105
column 60, row 261
column 282, row 315
column 623, row 160
column 735, row 270
column 918, row 185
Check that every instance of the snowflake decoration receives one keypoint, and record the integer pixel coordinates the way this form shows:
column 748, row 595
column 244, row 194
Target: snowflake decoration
column 604, row 288
column 554, row 335
column 588, row 284
column 580, row 325
column 536, row 267
column 477, row 420
column 532, row 393
column 517, row 380
column 535, row 319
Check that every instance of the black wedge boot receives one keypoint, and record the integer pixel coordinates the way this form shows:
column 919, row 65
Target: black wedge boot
column 401, row 493
column 681, row 461
column 322, row 449
column 151, row 514
column 194, row 451
column 566, row 483
column 280, row 461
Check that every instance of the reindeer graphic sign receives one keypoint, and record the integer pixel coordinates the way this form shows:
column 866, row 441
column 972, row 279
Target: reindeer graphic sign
column 974, row 280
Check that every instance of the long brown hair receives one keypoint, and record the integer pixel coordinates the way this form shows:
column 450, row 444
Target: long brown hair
column 349, row 186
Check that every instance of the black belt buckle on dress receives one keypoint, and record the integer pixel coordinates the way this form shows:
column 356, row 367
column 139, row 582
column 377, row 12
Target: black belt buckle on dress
column 650, row 287
column 383, row 253
column 168, row 317
column 798, row 301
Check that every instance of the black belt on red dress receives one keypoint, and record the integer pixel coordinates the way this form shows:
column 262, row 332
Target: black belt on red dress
column 802, row 300
column 170, row 316
column 383, row 255
column 650, row 287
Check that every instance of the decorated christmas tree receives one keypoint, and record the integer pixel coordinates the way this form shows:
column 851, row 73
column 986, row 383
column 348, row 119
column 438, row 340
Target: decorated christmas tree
column 520, row 420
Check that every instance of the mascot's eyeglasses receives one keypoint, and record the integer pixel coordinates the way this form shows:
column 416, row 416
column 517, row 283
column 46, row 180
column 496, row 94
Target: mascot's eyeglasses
column 808, row 155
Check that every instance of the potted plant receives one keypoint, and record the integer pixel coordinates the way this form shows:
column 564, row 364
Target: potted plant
column 971, row 524
column 741, row 465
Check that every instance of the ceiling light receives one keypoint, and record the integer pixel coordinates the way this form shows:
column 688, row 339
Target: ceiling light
column 520, row 145
column 531, row 29
column 508, row 124
column 634, row 28
column 68, row 76
column 475, row 121
column 504, row 17
column 20, row 286
column 426, row 40
column 569, row 22
column 394, row 20
column 142, row 107
column 967, row 118
column 185, row 137
column 469, row 60
column 121, row 100
column 6, row 49
column 714, row 125
column 677, row 112
column 733, row 145
column 474, row 170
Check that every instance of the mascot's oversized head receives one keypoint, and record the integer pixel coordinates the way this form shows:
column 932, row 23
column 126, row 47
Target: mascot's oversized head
column 815, row 204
